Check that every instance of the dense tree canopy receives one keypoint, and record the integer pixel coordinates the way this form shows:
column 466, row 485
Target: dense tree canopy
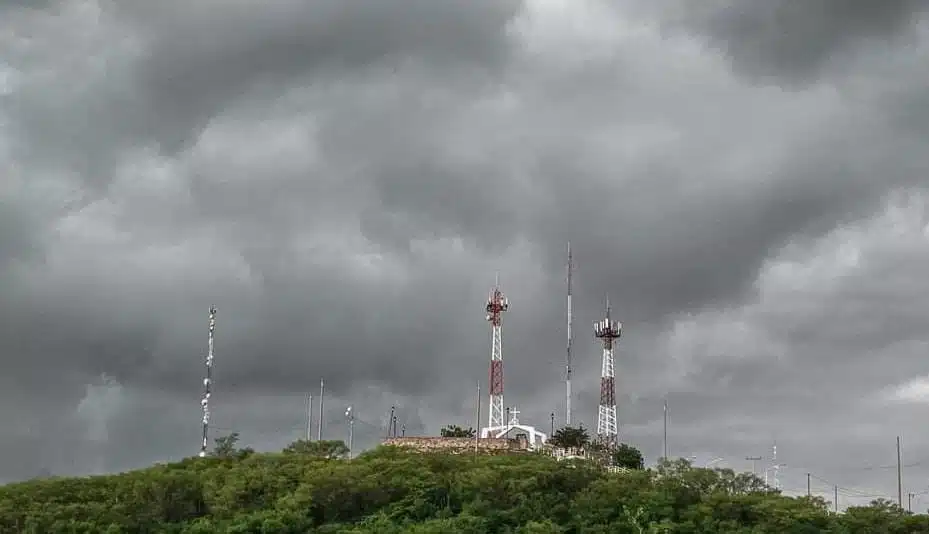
column 627, row 456
column 394, row 491
column 571, row 437
column 319, row 449
column 224, row 446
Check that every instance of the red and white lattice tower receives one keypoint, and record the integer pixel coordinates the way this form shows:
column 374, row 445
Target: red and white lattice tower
column 496, row 305
column 608, row 331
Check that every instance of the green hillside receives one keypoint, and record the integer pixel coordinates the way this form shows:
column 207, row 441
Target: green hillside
column 389, row 491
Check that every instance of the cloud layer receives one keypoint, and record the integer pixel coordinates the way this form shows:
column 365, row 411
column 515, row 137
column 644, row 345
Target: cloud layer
column 343, row 180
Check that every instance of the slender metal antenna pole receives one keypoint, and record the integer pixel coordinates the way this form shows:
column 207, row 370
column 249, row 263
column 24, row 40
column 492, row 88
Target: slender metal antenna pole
column 568, row 362
column 899, row 476
column 776, row 467
column 351, row 430
column 319, row 428
column 207, row 385
column 309, row 415
column 666, row 429
column 477, row 426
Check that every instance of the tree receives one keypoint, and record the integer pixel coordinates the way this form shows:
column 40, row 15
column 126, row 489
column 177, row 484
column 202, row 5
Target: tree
column 571, row 437
column 224, row 446
column 328, row 449
column 627, row 456
column 874, row 518
column 455, row 431
column 393, row 490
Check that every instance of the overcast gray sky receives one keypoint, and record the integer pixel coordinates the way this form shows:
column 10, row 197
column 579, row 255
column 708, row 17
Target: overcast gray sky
column 342, row 178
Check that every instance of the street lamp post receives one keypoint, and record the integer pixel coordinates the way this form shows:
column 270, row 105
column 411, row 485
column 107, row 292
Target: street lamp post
column 350, row 415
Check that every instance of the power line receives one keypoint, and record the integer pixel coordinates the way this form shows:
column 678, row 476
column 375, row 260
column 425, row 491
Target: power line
column 847, row 491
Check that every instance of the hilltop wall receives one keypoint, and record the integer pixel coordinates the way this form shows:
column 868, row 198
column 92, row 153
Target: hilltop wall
column 457, row 445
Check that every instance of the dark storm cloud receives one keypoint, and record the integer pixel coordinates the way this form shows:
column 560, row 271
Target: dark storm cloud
column 343, row 178
column 668, row 237
column 815, row 349
column 158, row 73
column 792, row 41
column 202, row 59
column 18, row 235
column 33, row 4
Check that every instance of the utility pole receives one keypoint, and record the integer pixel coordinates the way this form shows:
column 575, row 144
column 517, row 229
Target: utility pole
column 351, row 430
column 909, row 502
column 835, row 504
column 477, row 424
column 553, row 425
column 390, row 422
column 319, row 429
column 666, row 429
column 309, row 415
column 899, row 476
column 754, row 459
column 809, row 492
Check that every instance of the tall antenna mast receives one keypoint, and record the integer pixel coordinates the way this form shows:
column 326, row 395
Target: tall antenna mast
column 608, row 331
column 567, row 379
column 319, row 428
column 309, row 416
column 666, row 457
column 207, row 383
column 775, row 467
column 496, row 305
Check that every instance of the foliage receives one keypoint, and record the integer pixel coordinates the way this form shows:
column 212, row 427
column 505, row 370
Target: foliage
column 320, row 449
column 627, row 456
column 225, row 447
column 395, row 491
column 570, row 437
column 455, row 431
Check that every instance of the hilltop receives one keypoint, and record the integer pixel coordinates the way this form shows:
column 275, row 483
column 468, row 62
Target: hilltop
column 312, row 488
